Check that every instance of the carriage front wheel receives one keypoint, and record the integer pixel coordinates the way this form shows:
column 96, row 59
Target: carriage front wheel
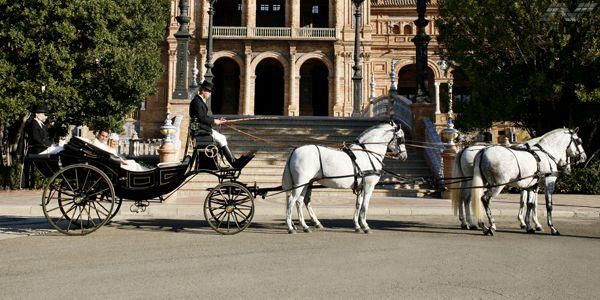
column 229, row 208
column 78, row 199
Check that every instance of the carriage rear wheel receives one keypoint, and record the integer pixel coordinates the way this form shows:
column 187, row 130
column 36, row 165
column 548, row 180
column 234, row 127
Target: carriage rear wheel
column 78, row 199
column 229, row 208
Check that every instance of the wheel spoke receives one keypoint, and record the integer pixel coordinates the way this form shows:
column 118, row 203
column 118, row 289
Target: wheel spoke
column 67, row 181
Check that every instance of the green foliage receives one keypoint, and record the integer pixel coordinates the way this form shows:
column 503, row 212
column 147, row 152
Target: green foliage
column 542, row 72
column 98, row 59
column 10, row 177
column 581, row 180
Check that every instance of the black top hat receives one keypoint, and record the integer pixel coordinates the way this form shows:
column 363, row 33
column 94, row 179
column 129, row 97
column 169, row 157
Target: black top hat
column 207, row 85
column 39, row 109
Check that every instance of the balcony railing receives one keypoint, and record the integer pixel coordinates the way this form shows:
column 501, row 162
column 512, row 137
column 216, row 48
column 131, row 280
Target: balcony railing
column 285, row 33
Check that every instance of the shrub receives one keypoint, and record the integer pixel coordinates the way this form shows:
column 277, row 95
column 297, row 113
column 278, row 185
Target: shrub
column 581, row 180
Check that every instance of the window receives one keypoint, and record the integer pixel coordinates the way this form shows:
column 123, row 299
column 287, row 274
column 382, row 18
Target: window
column 264, row 7
column 315, row 9
column 239, row 7
column 276, row 7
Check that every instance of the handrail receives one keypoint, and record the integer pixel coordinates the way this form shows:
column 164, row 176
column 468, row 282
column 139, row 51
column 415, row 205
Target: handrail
column 401, row 110
column 433, row 154
column 274, row 32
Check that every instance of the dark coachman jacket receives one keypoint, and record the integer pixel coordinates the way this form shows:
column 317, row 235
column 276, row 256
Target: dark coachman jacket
column 199, row 111
column 38, row 137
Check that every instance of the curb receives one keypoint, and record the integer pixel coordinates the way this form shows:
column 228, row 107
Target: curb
column 194, row 210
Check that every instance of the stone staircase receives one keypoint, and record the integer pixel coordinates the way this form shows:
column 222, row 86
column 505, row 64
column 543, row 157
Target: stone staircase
column 280, row 134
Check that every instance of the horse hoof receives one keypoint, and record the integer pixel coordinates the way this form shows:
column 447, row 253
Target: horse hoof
column 357, row 230
column 367, row 231
column 291, row 231
column 523, row 226
column 307, row 230
column 555, row 232
column 464, row 226
column 488, row 231
column 539, row 228
column 530, row 231
column 319, row 226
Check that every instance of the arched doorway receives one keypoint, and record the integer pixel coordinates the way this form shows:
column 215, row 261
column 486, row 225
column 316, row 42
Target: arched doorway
column 407, row 81
column 314, row 88
column 269, row 88
column 226, row 96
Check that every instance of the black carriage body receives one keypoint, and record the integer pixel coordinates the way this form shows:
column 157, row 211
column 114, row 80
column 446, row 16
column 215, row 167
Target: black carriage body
column 133, row 185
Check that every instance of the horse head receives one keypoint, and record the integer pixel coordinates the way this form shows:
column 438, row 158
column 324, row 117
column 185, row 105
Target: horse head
column 575, row 147
column 396, row 145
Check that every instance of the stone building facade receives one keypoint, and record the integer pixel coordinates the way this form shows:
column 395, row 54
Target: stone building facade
column 295, row 57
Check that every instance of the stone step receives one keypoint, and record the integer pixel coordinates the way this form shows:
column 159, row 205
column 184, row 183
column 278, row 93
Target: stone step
column 266, row 169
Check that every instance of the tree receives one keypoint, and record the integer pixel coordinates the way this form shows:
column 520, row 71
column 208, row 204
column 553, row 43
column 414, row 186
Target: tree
column 526, row 65
column 97, row 59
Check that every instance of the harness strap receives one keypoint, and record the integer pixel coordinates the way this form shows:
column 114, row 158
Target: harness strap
column 356, row 187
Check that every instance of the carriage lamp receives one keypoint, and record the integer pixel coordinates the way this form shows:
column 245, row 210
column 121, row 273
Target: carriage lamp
column 449, row 134
column 168, row 150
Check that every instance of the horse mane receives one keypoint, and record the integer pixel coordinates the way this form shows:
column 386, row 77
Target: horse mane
column 367, row 133
column 547, row 136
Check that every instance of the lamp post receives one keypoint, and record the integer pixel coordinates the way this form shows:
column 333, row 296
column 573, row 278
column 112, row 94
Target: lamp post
column 208, row 75
column 357, row 77
column 421, row 41
column 182, row 36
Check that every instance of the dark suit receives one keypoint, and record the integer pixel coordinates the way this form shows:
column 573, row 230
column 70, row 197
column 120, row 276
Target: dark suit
column 38, row 137
column 199, row 110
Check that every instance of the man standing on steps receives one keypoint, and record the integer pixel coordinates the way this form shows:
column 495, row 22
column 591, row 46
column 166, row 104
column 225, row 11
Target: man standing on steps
column 199, row 111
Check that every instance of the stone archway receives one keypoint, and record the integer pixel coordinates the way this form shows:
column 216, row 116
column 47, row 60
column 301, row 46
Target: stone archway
column 314, row 88
column 407, row 81
column 269, row 87
column 226, row 96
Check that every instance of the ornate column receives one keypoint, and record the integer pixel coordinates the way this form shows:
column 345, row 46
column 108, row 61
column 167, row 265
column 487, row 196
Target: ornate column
column 421, row 41
column 250, row 13
column 183, row 37
column 293, row 108
column 338, row 102
column 437, row 97
column 357, row 77
column 248, row 102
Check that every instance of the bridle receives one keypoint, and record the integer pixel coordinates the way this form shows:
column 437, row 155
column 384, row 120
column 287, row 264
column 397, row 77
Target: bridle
column 577, row 141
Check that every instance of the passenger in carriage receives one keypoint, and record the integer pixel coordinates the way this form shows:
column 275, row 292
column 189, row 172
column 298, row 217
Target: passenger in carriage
column 127, row 164
column 101, row 139
column 199, row 110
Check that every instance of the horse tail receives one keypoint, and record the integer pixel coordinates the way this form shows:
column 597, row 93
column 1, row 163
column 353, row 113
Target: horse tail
column 287, row 180
column 456, row 186
column 477, row 188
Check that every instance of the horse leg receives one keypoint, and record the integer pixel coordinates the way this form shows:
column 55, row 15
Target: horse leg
column 522, row 202
column 292, row 197
column 472, row 225
column 359, row 203
column 299, row 204
column 538, row 226
column 530, row 207
column 550, row 185
column 367, row 191
column 462, row 206
column 486, row 200
column 311, row 212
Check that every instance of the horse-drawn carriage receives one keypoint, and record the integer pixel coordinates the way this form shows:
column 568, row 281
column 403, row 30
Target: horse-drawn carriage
column 87, row 185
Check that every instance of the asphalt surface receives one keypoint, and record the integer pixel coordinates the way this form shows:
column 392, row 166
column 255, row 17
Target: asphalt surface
column 414, row 257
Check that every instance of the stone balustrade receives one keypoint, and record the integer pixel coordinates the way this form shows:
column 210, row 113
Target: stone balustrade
column 230, row 32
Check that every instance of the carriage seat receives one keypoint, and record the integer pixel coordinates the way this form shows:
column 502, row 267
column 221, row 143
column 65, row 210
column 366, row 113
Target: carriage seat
column 184, row 162
column 82, row 148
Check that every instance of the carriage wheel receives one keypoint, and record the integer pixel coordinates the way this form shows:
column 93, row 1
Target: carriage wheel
column 78, row 199
column 229, row 208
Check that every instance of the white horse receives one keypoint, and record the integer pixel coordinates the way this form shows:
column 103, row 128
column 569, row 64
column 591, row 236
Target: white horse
column 499, row 166
column 462, row 173
column 336, row 169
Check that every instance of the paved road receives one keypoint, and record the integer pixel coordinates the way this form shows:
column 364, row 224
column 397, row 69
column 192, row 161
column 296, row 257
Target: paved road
column 404, row 257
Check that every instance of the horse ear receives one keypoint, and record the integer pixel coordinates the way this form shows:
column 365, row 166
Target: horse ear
column 576, row 130
column 395, row 125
